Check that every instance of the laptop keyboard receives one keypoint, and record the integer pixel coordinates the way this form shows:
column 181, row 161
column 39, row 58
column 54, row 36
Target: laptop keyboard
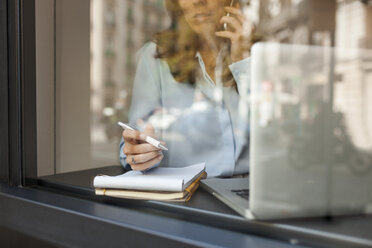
column 242, row 193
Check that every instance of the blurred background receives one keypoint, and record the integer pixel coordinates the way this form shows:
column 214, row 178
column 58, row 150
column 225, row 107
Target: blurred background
column 86, row 62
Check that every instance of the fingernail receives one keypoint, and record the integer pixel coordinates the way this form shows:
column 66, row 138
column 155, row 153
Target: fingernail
column 160, row 157
column 142, row 136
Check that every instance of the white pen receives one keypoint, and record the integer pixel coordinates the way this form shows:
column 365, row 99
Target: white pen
column 148, row 139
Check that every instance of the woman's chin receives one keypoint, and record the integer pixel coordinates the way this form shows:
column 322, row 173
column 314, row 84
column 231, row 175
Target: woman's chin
column 205, row 29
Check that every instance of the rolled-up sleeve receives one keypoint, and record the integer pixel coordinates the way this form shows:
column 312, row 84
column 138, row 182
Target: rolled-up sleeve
column 241, row 72
column 122, row 156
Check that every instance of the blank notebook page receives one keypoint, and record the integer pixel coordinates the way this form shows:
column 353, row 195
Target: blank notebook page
column 173, row 179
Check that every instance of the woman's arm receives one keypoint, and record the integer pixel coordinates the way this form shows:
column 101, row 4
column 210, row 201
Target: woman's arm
column 134, row 152
column 241, row 34
column 146, row 94
column 240, row 37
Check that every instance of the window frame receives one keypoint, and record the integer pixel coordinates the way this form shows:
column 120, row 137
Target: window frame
column 28, row 91
column 21, row 94
column 4, row 141
column 18, row 105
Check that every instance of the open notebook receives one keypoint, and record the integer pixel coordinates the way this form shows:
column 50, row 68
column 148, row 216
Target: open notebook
column 169, row 179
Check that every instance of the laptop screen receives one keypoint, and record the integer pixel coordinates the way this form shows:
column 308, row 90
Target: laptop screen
column 311, row 129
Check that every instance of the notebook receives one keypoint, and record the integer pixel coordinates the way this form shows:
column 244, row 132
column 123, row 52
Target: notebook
column 181, row 196
column 169, row 179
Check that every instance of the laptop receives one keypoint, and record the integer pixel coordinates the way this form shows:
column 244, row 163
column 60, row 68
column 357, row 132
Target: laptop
column 310, row 135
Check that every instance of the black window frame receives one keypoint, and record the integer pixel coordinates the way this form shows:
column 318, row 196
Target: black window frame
column 4, row 129
column 19, row 160
column 18, row 93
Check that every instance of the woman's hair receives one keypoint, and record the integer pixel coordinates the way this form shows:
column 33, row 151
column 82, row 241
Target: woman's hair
column 178, row 46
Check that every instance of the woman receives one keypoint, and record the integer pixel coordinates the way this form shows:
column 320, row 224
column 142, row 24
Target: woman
column 193, row 78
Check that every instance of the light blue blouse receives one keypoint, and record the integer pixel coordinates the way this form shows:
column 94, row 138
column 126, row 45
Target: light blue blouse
column 202, row 123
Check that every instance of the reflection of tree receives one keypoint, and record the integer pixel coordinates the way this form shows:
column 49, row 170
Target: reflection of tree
column 306, row 148
column 359, row 161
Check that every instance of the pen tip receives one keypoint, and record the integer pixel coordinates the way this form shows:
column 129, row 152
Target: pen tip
column 163, row 147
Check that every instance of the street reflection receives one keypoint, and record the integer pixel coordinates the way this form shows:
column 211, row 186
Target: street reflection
column 310, row 132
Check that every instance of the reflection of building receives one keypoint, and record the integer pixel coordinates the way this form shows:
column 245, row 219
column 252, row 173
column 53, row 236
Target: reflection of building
column 345, row 24
column 119, row 28
column 143, row 19
column 354, row 89
column 297, row 21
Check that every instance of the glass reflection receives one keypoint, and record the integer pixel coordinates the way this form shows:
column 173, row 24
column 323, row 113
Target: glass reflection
column 189, row 84
column 310, row 135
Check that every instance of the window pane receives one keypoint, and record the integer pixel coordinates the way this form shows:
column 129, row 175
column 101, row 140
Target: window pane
column 86, row 54
column 185, row 77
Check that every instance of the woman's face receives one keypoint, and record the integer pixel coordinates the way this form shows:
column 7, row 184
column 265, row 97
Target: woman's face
column 203, row 16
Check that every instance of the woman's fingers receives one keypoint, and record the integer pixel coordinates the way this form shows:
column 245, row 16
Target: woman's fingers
column 246, row 27
column 239, row 35
column 146, row 165
column 149, row 130
column 142, row 158
column 133, row 136
column 238, row 13
column 227, row 34
column 237, row 26
column 135, row 144
column 130, row 149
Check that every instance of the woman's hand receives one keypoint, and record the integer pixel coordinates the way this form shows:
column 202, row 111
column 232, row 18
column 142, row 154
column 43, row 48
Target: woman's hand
column 140, row 154
column 239, row 35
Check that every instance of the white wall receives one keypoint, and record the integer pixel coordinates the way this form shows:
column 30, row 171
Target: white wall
column 73, row 85
column 45, row 86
